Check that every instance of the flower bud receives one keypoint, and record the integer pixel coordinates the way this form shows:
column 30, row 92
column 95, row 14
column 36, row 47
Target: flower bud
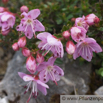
column 25, row 52
column 22, row 42
column 70, row 47
column 39, row 58
column 91, row 19
column 4, row 33
column 24, row 9
column 5, row 1
column 66, row 34
column 15, row 46
column 78, row 33
column 2, row 9
column 31, row 64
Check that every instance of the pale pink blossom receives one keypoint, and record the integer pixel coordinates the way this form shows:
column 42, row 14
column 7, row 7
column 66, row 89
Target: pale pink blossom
column 7, row 21
column 31, row 64
column 34, row 84
column 81, row 22
column 39, row 58
column 4, row 33
column 47, row 70
column 78, row 33
column 26, row 52
column 50, row 43
column 24, row 9
column 22, row 42
column 70, row 47
column 91, row 19
column 66, row 34
column 86, row 48
column 29, row 24
column 15, row 46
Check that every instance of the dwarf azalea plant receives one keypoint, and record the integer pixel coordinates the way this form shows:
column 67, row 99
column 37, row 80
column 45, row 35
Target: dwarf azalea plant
column 43, row 70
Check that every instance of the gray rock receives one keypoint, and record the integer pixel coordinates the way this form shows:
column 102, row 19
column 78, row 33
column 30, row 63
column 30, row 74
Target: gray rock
column 99, row 91
column 76, row 78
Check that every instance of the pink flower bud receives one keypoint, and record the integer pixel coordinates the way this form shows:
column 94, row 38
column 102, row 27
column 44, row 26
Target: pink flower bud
column 15, row 46
column 39, row 58
column 91, row 19
column 25, row 52
column 31, row 64
column 5, row 1
column 66, row 34
column 24, row 9
column 70, row 47
column 2, row 9
column 22, row 42
column 73, row 19
column 4, row 33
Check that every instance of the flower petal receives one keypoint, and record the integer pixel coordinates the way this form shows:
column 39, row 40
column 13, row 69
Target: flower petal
column 34, row 13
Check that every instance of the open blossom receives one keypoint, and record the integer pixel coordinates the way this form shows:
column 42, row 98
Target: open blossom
column 49, row 71
column 29, row 24
column 7, row 20
column 91, row 19
column 34, row 84
column 50, row 43
column 70, row 47
column 31, row 64
column 22, row 42
column 86, row 48
column 81, row 22
column 78, row 33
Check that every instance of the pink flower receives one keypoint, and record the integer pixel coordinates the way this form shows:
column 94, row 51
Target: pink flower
column 4, row 33
column 49, row 71
column 91, row 19
column 70, row 47
column 39, row 58
column 66, row 34
column 34, row 84
column 49, row 42
column 15, row 47
column 24, row 9
column 29, row 24
column 78, row 33
column 85, row 49
column 26, row 52
column 31, row 64
column 81, row 22
column 7, row 20
column 22, row 42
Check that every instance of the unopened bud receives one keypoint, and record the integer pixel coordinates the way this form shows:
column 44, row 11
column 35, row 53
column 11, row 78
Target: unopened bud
column 70, row 47
column 31, row 64
column 66, row 34
column 39, row 58
column 5, row 1
column 26, row 52
column 22, row 42
column 24, row 9
column 15, row 46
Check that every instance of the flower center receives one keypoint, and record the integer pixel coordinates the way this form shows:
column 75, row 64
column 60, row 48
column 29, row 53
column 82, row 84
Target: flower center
column 29, row 21
column 49, row 68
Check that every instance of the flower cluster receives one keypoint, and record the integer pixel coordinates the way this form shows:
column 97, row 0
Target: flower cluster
column 41, row 71
column 85, row 46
